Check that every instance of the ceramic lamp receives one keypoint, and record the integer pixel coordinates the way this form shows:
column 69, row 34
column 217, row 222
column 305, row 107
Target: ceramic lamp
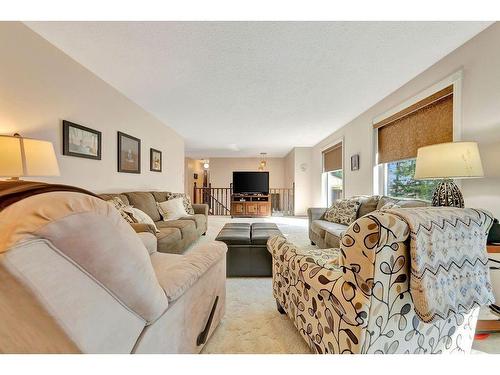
column 448, row 161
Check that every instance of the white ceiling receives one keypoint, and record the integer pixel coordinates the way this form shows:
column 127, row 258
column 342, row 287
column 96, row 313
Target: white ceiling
column 240, row 88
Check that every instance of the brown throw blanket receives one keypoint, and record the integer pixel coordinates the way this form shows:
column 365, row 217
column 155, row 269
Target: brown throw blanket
column 14, row 191
column 449, row 263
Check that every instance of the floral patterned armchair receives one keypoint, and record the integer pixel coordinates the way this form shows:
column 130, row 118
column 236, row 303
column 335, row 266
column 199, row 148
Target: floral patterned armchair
column 356, row 299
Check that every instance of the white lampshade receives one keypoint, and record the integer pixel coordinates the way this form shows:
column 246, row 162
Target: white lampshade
column 449, row 160
column 27, row 157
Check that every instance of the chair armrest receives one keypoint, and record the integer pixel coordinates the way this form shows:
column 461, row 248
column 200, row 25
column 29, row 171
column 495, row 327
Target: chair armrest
column 310, row 286
column 201, row 209
column 139, row 228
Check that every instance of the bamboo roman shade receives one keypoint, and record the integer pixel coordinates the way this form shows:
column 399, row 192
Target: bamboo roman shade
column 332, row 158
column 427, row 122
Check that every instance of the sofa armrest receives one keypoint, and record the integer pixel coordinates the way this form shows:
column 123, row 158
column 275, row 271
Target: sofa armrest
column 201, row 209
column 315, row 213
column 140, row 228
column 149, row 241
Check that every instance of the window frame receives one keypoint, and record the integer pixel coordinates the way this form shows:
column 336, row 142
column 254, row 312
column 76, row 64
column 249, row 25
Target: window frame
column 455, row 80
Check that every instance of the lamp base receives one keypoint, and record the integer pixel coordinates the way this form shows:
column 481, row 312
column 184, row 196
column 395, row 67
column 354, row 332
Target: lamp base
column 448, row 194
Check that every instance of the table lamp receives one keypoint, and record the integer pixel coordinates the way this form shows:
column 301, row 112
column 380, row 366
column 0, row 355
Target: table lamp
column 448, row 161
column 26, row 157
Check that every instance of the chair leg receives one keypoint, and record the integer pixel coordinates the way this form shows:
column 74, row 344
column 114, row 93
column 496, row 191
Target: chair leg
column 280, row 309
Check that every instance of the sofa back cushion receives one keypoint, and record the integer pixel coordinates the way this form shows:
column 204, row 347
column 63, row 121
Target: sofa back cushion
column 401, row 202
column 368, row 203
column 145, row 202
column 160, row 196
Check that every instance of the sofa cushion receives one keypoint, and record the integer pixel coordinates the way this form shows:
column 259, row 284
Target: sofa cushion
column 187, row 227
column 167, row 237
column 343, row 211
column 326, row 226
column 160, row 196
column 199, row 219
column 368, row 204
column 176, row 274
column 144, row 201
column 403, row 203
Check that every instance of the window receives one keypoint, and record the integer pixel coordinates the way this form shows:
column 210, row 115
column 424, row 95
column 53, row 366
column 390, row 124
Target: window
column 400, row 182
column 427, row 122
column 334, row 184
column 333, row 173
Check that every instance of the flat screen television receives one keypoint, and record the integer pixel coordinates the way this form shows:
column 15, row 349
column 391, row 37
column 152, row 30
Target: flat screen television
column 251, row 182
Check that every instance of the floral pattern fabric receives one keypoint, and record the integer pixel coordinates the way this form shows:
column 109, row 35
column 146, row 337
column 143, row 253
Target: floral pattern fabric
column 185, row 200
column 343, row 211
column 356, row 299
column 122, row 208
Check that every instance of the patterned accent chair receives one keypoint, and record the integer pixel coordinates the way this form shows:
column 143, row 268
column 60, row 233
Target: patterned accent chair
column 356, row 299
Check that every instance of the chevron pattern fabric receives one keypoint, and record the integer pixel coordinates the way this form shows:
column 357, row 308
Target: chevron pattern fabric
column 449, row 263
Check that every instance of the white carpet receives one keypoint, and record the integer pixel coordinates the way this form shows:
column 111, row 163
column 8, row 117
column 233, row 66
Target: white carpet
column 251, row 323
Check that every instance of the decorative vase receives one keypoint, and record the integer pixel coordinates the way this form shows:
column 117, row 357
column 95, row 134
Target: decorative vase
column 448, row 194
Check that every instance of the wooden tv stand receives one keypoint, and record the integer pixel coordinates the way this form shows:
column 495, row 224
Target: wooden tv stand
column 250, row 205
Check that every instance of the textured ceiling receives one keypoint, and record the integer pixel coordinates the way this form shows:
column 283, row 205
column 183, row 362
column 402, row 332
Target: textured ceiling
column 241, row 88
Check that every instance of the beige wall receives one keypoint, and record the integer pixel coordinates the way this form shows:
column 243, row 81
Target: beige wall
column 192, row 166
column 480, row 61
column 40, row 86
column 303, row 175
column 298, row 171
column 221, row 170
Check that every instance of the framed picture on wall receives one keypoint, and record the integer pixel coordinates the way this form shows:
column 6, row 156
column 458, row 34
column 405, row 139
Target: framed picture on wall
column 129, row 153
column 355, row 162
column 81, row 141
column 155, row 160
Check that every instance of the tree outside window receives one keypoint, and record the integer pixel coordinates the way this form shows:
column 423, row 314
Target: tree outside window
column 400, row 182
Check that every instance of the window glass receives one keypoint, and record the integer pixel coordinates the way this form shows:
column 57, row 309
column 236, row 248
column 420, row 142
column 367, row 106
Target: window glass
column 334, row 182
column 400, row 182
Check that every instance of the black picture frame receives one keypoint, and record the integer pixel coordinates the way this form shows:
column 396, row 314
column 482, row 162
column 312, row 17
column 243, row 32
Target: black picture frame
column 122, row 161
column 355, row 162
column 152, row 168
column 71, row 151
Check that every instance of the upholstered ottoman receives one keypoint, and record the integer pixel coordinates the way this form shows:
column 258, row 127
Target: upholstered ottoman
column 247, row 253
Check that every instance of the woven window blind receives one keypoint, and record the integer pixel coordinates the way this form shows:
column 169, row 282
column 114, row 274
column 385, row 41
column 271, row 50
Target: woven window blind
column 430, row 121
column 332, row 158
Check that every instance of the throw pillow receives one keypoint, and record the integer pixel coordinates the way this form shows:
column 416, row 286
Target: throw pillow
column 172, row 209
column 186, row 201
column 122, row 208
column 141, row 217
column 343, row 211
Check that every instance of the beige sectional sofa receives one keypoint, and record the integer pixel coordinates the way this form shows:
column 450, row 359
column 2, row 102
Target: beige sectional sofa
column 326, row 234
column 77, row 278
column 175, row 235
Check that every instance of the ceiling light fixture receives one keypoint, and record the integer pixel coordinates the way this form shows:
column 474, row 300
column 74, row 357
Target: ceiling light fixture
column 262, row 163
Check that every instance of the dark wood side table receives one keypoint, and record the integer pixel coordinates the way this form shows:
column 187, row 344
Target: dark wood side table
column 486, row 326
